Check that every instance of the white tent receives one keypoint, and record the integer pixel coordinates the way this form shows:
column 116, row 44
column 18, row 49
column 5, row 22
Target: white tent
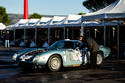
column 2, row 26
column 73, row 20
column 44, row 21
column 19, row 25
column 94, row 23
column 115, row 10
column 32, row 22
column 57, row 21
column 21, row 22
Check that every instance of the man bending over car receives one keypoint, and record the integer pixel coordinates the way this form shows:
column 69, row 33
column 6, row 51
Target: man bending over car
column 92, row 46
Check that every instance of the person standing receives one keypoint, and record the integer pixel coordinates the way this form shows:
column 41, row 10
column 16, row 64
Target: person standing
column 7, row 38
column 93, row 47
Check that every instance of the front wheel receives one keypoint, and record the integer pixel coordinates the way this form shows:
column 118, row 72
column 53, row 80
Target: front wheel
column 54, row 63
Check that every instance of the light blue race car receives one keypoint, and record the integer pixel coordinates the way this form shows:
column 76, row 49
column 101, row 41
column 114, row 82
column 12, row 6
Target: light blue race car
column 63, row 53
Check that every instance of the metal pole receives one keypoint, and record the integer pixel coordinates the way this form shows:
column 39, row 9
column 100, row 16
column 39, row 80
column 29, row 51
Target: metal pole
column 14, row 34
column 48, row 35
column 67, row 33
column 55, row 32
column 25, row 9
column 35, row 34
column 95, row 33
column 113, row 32
column 72, row 34
column 64, row 32
column 24, row 35
column 104, row 34
column 82, row 30
column 118, row 41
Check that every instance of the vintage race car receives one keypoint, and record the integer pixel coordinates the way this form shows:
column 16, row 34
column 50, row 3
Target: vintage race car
column 63, row 53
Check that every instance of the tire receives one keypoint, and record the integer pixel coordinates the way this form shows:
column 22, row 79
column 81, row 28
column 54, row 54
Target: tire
column 99, row 59
column 54, row 63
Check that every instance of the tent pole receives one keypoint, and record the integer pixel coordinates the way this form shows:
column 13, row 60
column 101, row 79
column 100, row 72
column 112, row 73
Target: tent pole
column 72, row 34
column 24, row 35
column 113, row 33
column 95, row 32
column 48, row 35
column 104, row 34
column 82, row 30
column 118, row 41
column 67, row 31
column 35, row 34
column 14, row 34
column 64, row 32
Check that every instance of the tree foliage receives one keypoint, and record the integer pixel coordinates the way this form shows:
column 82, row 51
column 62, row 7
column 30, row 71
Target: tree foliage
column 94, row 5
column 4, row 16
column 35, row 15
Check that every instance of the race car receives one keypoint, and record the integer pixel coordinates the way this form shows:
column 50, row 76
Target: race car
column 63, row 53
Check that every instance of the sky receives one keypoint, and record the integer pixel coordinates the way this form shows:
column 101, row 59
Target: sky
column 45, row 7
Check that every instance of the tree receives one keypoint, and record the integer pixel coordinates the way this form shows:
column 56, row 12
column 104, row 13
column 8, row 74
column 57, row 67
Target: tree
column 4, row 16
column 35, row 15
column 94, row 5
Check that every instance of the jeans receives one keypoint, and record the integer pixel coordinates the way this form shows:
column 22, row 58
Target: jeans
column 7, row 45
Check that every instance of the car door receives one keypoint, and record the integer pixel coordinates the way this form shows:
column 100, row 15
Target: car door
column 73, row 56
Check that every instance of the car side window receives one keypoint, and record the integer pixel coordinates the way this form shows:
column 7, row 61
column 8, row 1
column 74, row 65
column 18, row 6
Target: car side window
column 68, row 45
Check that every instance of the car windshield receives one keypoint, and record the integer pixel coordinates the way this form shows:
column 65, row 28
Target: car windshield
column 63, row 45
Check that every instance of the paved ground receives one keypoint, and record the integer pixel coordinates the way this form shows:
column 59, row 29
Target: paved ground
column 111, row 72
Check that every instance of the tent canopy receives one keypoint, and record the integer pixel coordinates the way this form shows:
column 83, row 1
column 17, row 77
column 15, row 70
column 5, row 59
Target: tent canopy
column 44, row 21
column 115, row 10
column 48, row 22
column 2, row 26
column 32, row 22
column 73, row 20
column 94, row 23
column 57, row 21
column 21, row 22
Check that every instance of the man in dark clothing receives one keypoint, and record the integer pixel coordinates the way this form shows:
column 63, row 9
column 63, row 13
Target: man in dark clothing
column 93, row 47
column 7, row 38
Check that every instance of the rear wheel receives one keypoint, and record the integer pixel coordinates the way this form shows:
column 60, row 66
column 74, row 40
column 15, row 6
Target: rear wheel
column 99, row 59
column 54, row 63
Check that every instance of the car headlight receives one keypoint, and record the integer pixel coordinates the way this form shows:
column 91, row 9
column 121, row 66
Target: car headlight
column 14, row 56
